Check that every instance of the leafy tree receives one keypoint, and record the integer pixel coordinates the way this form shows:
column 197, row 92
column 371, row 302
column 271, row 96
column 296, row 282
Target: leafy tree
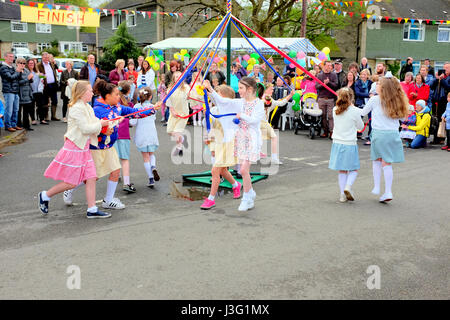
column 121, row 45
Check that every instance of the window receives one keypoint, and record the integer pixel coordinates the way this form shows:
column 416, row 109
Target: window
column 42, row 46
column 439, row 65
column 17, row 26
column 414, row 32
column 84, row 48
column 443, row 34
column 16, row 45
column 131, row 20
column 66, row 46
column 416, row 66
column 43, row 28
column 116, row 20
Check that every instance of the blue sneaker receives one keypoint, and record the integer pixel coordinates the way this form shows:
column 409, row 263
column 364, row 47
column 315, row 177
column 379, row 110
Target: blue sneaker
column 151, row 183
column 43, row 205
column 98, row 215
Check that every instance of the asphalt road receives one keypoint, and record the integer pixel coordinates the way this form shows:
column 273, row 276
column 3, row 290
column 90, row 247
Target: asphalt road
column 298, row 243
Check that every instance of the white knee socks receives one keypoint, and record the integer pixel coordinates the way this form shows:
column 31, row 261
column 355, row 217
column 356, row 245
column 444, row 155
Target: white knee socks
column 148, row 169
column 342, row 181
column 153, row 161
column 388, row 177
column 376, row 176
column 351, row 177
column 110, row 190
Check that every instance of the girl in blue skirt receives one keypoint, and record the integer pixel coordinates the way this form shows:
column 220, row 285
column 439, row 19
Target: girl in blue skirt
column 344, row 151
column 388, row 108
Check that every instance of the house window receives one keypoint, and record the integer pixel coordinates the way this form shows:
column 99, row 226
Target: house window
column 84, row 48
column 42, row 46
column 67, row 47
column 443, row 34
column 20, row 45
column 414, row 32
column 116, row 20
column 439, row 65
column 17, row 26
column 416, row 66
column 131, row 20
column 43, row 28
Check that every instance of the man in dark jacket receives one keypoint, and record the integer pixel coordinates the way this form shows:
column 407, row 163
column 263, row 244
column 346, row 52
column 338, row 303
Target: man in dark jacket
column 326, row 98
column 91, row 70
column 10, row 85
column 408, row 67
column 341, row 74
column 50, row 83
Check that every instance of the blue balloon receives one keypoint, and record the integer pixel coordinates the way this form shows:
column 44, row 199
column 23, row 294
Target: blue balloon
column 286, row 61
column 160, row 52
column 236, row 120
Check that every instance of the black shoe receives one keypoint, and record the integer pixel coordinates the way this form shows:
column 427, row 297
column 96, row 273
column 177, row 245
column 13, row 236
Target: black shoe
column 56, row 119
column 43, row 205
column 44, row 122
column 155, row 174
column 180, row 153
column 98, row 215
column 129, row 188
column 29, row 129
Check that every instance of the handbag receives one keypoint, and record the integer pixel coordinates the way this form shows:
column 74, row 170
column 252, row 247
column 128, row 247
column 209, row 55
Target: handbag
column 441, row 131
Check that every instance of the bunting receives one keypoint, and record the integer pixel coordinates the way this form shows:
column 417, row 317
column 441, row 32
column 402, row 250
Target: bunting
column 104, row 11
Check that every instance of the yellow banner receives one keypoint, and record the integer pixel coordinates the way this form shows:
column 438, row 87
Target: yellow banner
column 61, row 17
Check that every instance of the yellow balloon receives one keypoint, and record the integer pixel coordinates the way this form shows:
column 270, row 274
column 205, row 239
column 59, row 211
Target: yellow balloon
column 250, row 67
column 326, row 50
column 199, row 90
column 155, row 66
column 183, row 52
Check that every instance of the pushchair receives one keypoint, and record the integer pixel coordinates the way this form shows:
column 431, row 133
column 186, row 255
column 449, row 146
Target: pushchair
column 310, row 116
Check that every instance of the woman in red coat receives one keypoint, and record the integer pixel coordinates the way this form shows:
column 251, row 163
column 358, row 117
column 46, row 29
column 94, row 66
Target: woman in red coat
column 118, row 74
column 408, row 83
column 132, row 71
column 419, row 90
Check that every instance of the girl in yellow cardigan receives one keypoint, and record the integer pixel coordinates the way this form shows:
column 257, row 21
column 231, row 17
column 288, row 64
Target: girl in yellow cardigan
column 74, row 164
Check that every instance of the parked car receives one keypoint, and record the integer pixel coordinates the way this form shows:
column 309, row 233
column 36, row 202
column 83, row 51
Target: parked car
column 23, row 53
column 61, row 65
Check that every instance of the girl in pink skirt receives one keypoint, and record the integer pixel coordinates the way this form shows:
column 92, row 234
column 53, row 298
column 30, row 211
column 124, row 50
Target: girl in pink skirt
column 73, row 164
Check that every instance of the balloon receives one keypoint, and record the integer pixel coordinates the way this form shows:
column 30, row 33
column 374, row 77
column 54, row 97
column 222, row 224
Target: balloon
column 296, row 97
column 236, row 120
column 155, row 66
column 328, row 57
column 255, row 56
column 199, row 90
column 187, row 55
column 216, row 59
column 322, row 56
column 150, row 60
column 175, row 55
column 301, row 55
column 246, row 57
column 252, row 61
column 250, row 67
column 292, row 66
column 183, row 52
column 160, row 52
column 296, row 107
column 292, row 54
column 326, row 50
column 244, row 64
column 302, row 63
column 224, row 58
column 286, row 61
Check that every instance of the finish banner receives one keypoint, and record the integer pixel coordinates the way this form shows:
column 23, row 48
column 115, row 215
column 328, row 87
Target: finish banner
column 60, row 17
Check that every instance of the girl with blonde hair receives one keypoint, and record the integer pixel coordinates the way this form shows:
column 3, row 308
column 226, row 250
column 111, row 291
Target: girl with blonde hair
column 388, row 108
column 74, row 164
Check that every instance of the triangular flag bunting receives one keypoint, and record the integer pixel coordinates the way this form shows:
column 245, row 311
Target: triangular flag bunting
column 406, row 20
column 143, row 13
column 387, row 18
column 363, row 15
column 112, row 11
column 412, row 21
column 40, row 5
column 149, row 14
column 351, row 14
column 57, row 7
column 31, row 3
column 420, row 21
column 381, row 18
column 50, row 6
column 365, row 3
column 399, row 20
column 105, row 11
column 428, row 21
column 90, row 10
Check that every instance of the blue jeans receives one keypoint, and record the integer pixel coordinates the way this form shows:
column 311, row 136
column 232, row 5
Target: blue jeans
column 11, row 109
column 419, row 142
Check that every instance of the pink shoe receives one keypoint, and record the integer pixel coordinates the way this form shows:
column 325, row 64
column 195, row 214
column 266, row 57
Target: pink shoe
column 208, row 204
column 237, row 191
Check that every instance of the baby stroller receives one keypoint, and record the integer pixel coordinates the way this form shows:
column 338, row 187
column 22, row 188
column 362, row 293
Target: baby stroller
column 310, row 116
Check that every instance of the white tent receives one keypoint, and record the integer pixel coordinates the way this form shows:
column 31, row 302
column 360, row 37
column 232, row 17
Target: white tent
column 295, row 44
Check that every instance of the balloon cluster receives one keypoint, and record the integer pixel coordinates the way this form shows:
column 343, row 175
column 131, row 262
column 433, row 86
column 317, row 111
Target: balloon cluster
column 249, row 61
column 181, row 55
column 300, row 58
column 324, row 55
column 154, row 59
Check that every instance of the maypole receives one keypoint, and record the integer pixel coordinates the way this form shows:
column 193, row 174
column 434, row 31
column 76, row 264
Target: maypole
column 229, row 46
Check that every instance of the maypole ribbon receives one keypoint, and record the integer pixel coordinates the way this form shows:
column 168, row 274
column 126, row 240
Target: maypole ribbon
column 284, row 55
column 265, row 60
column 180, row 80
column 132, row 114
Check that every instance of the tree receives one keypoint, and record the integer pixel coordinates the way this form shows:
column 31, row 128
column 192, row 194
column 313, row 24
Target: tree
column 121, row 45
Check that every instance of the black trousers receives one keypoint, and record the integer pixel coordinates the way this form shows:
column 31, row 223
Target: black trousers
column 41, row 106
column 51, row 93
column 65, row 103
column 448, row 138
column 25, row 112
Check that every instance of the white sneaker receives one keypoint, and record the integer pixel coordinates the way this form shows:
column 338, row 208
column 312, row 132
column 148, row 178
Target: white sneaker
column 276, row 161
column 348, row 193
column 375, row 191
column 385, row 198
column 343, row 198
column 246, row 204
column 68, row 197
column 114, row 204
